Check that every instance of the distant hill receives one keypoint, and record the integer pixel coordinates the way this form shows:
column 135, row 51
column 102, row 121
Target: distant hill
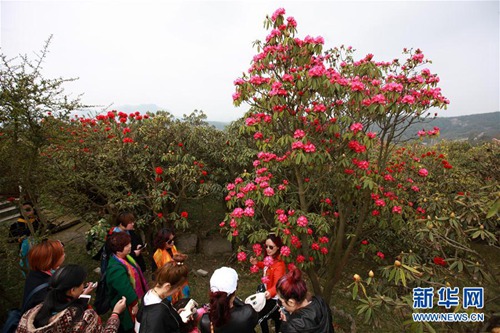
column 476, row 127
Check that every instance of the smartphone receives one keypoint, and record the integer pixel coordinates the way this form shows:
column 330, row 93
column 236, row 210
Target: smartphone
column 94, row 285
column 85, row 298
column 189, row 310
column 140, row 247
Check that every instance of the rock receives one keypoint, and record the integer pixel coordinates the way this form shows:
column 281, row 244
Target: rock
column 215, row 246
column 187, row 243
column 201, row 272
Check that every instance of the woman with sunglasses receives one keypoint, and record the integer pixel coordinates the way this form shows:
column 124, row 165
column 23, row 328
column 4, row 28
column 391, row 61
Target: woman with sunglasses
column 274, row 268
column 165, row 251
column 63, row 309
column 306, row 314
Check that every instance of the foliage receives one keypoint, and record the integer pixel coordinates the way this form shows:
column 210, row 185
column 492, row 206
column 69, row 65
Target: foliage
column 27, row 99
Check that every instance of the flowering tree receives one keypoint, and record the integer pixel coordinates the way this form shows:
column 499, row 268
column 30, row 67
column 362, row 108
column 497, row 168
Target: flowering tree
column 149, row 163
column 328, row 170
column 27, row 99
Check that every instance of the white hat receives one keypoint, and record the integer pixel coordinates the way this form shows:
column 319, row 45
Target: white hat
column 224, row 279
column 257, row 301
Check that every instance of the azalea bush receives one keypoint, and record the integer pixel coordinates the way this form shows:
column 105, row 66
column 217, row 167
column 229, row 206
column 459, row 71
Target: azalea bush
column 331, row 171
column 148, row 163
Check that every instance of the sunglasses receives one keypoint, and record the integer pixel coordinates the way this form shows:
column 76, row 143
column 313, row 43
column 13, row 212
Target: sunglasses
column 170, row 241
column 270, row 247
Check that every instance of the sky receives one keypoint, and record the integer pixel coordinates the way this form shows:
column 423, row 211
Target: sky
column 184, row 55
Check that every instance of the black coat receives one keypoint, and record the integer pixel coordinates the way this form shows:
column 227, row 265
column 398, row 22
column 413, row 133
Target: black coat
column 243, row 320
column 159, row 318
column 33, row 280
column 316, row 317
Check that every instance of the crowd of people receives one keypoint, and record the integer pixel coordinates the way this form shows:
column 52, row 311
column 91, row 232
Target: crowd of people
column 57, row 296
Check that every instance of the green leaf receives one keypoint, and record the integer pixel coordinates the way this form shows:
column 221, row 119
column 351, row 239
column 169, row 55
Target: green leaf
column 493, row 209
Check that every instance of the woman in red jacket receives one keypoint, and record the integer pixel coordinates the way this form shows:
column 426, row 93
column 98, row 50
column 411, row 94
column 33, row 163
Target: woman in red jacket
column 274, row 268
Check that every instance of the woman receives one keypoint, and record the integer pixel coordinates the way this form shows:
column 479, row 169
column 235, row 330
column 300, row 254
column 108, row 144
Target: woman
column 273, row 271
column 126, row 222
column 43, row 258
column 64, row 311
column 307, row 314
column 165, row 251
column 227, row 313
column 21, row 230
column 157, row 313
column 124, row 278
column 165, row 247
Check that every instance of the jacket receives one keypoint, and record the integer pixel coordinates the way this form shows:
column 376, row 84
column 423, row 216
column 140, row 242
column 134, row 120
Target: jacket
column 64, row 321
column 243, row 320
column 273, row 274
column 316, row 317
column 118, row 285
column 159, row 317
column 161, row 257
column 33, row 280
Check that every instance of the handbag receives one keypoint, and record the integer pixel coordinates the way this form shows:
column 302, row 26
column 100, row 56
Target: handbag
column 14, row 315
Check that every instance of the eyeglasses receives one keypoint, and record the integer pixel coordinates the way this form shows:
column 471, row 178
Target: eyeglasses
column 270, row 247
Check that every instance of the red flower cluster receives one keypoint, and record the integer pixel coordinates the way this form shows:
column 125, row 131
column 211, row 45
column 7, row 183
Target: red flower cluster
column 439, row 261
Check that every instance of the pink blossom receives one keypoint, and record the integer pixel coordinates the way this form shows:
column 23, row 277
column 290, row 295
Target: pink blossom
column 415, row 188
column 363, row 165
column 278, row 12
column 236, row 96
column 258, row 136
column 249, row 212
column 239, row 81
column 380, row 255
column 315, row 246
column 408, row 99
column 323, row 240
column 309, row 148
column 282, row 218
column 265, row 279
column 302, row 221
column 237, row 212
column 356, row 146
column 357, row 86
column 222, row 224
column 319, row 108
column 268, row 192
column 299, row 134
column 375, row 212
column 235, row 233
column 380, row 203
column 242, row 256
column 356, row 127
column 268, row 261
column 238, row 180
column 233, row 223
column 388, row 178
column 285, row 251
column 324, row 250
column 291, row 21
column 300, row 259
column 254, row 269
column 249, row 203
column 257, row 249
column 297, row 145
column 317, row 70
column 423, row 172
column 230, row 186
column 397, row 209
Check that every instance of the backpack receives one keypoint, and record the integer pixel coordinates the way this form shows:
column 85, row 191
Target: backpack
column 102, row 303
column 14, row 315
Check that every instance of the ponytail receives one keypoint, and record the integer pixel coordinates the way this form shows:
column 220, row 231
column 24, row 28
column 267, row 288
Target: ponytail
column 292, row 286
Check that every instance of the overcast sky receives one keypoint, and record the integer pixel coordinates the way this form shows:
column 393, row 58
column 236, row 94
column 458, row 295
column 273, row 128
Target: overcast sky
column 184, row 55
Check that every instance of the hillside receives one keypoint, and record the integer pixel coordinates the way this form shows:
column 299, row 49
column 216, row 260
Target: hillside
column 477, row 127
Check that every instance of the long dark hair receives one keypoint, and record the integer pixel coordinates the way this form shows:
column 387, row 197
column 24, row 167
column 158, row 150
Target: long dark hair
column 57, row 300
column 276, row 240
column 220, row 311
